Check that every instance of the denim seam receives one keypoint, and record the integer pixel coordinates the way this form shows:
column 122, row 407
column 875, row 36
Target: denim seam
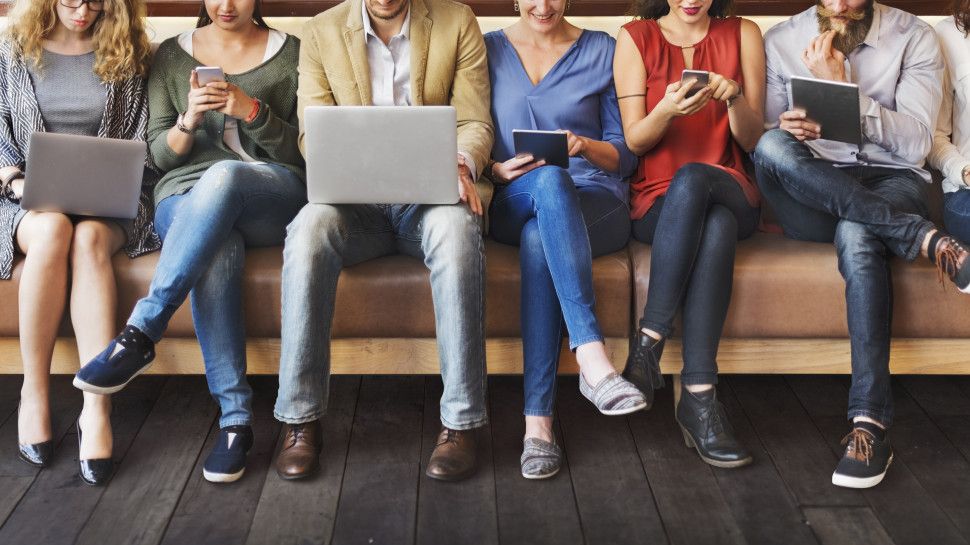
column 528, row 412
column 604, row 216
column 480, row 422
column 882, row 418
column 299, row 419
column 236, row 422
column 573, row 345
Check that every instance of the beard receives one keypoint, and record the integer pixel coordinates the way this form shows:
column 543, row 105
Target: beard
column 849, row 33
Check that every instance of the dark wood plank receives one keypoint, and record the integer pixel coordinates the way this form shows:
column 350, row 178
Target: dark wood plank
column 451, row 513
column 9, row 396
column 800, row 454
column 58, row 494
column 16, row 476
column 378, row 502
column 906, row 510
column 293, row 8
column 223, row 513
column 761, row 502
column 613, row 495
column 839, row 525
column 535, row 512
column 938, row 396
column 683, row 485
column 302, row 512
column 139, row 501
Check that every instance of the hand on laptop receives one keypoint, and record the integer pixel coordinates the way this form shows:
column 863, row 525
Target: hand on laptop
column 201, row 100
column 823, row 60
column 466, row 187
column 797, row 123
column 509, row 171
column 17, row 186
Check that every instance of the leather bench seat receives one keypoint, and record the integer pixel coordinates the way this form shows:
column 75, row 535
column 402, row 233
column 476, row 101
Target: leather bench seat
column 790, row 289
column 388, row 297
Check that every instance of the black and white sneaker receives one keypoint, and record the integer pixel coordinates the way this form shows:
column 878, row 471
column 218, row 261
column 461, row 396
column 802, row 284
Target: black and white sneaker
column 953, row 261
column 127, row 356
column 865, row 461
column 227, row 461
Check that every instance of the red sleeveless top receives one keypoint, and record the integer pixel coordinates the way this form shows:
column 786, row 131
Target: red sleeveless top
column 704, row 137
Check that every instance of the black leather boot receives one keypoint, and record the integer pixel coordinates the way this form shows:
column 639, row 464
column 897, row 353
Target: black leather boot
column 705, row 425
column 643, row 365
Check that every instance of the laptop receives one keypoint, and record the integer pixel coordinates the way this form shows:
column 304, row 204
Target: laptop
column 84, row 175
column 381, row 154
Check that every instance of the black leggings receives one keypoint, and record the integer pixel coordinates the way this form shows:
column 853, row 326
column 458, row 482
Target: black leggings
column 694, row 230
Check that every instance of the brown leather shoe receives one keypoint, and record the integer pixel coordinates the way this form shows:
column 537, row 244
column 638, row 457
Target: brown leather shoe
column 300, row 454
column 453, row 458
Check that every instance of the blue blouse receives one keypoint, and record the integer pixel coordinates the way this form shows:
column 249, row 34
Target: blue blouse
column 577, row 94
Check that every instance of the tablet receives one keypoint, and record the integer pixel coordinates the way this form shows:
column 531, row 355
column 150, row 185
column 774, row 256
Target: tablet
column 548, row 145
column 833, row 105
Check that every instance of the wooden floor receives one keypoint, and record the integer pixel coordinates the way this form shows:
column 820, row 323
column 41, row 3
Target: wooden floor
column 626, row 480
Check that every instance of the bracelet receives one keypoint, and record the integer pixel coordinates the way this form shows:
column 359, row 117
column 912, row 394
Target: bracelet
column 963, row 175
column 254, row 112
column 730, row 100
column 180, row 125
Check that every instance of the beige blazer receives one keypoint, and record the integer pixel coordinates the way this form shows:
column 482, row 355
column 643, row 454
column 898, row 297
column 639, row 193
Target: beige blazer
column 448, row 67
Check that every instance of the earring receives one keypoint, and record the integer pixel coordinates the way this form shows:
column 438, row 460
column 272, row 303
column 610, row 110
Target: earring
column 568, row 3
column 515, row 6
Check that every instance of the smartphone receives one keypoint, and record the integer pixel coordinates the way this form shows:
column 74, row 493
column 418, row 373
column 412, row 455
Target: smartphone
column 209, row 74
column 703, row 77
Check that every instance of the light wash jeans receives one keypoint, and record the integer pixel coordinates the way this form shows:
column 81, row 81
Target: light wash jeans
column 325, row 238
column 206, row 232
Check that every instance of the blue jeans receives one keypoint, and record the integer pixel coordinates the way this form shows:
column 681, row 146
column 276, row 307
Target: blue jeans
column 206, row 232
column 694, row 229
column 871, row 213
column 956, row 214
column 325, row 238
column 559, row 228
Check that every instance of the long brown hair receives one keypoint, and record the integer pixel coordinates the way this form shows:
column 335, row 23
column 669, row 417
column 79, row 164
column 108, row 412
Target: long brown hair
column 121, row 47
column 961, row 15
column 655, row 9
column 257, row 17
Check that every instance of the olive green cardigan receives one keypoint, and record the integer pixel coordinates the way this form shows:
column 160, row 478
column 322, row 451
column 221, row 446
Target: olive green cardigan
column 271, row 137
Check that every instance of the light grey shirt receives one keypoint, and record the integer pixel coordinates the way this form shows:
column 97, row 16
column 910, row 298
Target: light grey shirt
column 390, row 69
column 69, row 94
column 897, row 68
column 951, row 145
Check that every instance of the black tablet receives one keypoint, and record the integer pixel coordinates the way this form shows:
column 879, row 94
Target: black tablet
column 548, row 145
column 832, row 104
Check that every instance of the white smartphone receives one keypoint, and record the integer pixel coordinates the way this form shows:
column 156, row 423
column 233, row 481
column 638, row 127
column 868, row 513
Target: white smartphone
column 703, row 77
column 209, row 74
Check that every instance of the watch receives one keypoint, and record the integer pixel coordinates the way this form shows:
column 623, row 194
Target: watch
column 180, row 125
column 964, row 173
column 730, row 100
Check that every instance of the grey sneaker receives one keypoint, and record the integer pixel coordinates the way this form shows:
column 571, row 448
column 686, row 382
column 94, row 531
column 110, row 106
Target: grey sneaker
column 614, row 395
column 540, row 459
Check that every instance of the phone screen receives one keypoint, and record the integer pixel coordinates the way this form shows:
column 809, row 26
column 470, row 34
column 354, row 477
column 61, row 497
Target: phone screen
column 703, row 78
column 209, row 74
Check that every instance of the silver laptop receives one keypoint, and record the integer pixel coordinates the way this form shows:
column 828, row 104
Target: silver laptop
column 381, row 154
column 83, row 175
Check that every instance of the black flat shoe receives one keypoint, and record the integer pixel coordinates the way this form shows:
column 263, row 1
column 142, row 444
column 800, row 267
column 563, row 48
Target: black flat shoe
column 37, row 454
column 94, row 472
column 706, row 428
column 643, row 365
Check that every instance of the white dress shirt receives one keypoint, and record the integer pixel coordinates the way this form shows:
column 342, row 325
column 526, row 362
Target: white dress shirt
column 951, row 144
column 390, row 69
column 897, row 68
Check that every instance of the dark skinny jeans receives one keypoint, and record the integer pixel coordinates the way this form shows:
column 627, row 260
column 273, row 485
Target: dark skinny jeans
column 694, row 230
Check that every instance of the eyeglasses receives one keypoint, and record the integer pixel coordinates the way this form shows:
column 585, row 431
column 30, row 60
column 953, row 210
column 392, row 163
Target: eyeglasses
column 93, row 5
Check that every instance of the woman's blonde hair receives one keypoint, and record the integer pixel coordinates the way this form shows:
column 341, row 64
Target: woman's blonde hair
column 121, row 47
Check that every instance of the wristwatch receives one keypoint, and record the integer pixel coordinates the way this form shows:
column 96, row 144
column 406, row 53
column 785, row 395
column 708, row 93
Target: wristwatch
column 180, row 125
column 730, row 100
column 964, row 173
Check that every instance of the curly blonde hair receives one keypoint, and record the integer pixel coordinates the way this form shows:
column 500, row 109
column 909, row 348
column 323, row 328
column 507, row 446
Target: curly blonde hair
column 121, row 47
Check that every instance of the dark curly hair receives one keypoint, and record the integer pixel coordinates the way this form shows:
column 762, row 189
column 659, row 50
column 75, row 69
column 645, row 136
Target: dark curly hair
column 205, row 20
column 961, row 15
column 655, row 9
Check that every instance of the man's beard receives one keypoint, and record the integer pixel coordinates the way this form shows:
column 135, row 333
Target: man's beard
column 851, row 33
column 394, row 14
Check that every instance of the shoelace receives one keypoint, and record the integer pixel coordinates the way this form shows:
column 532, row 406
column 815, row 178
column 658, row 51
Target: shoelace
column 948, row 253
column 859, row 444
column 297, row 432
column 450, row 436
